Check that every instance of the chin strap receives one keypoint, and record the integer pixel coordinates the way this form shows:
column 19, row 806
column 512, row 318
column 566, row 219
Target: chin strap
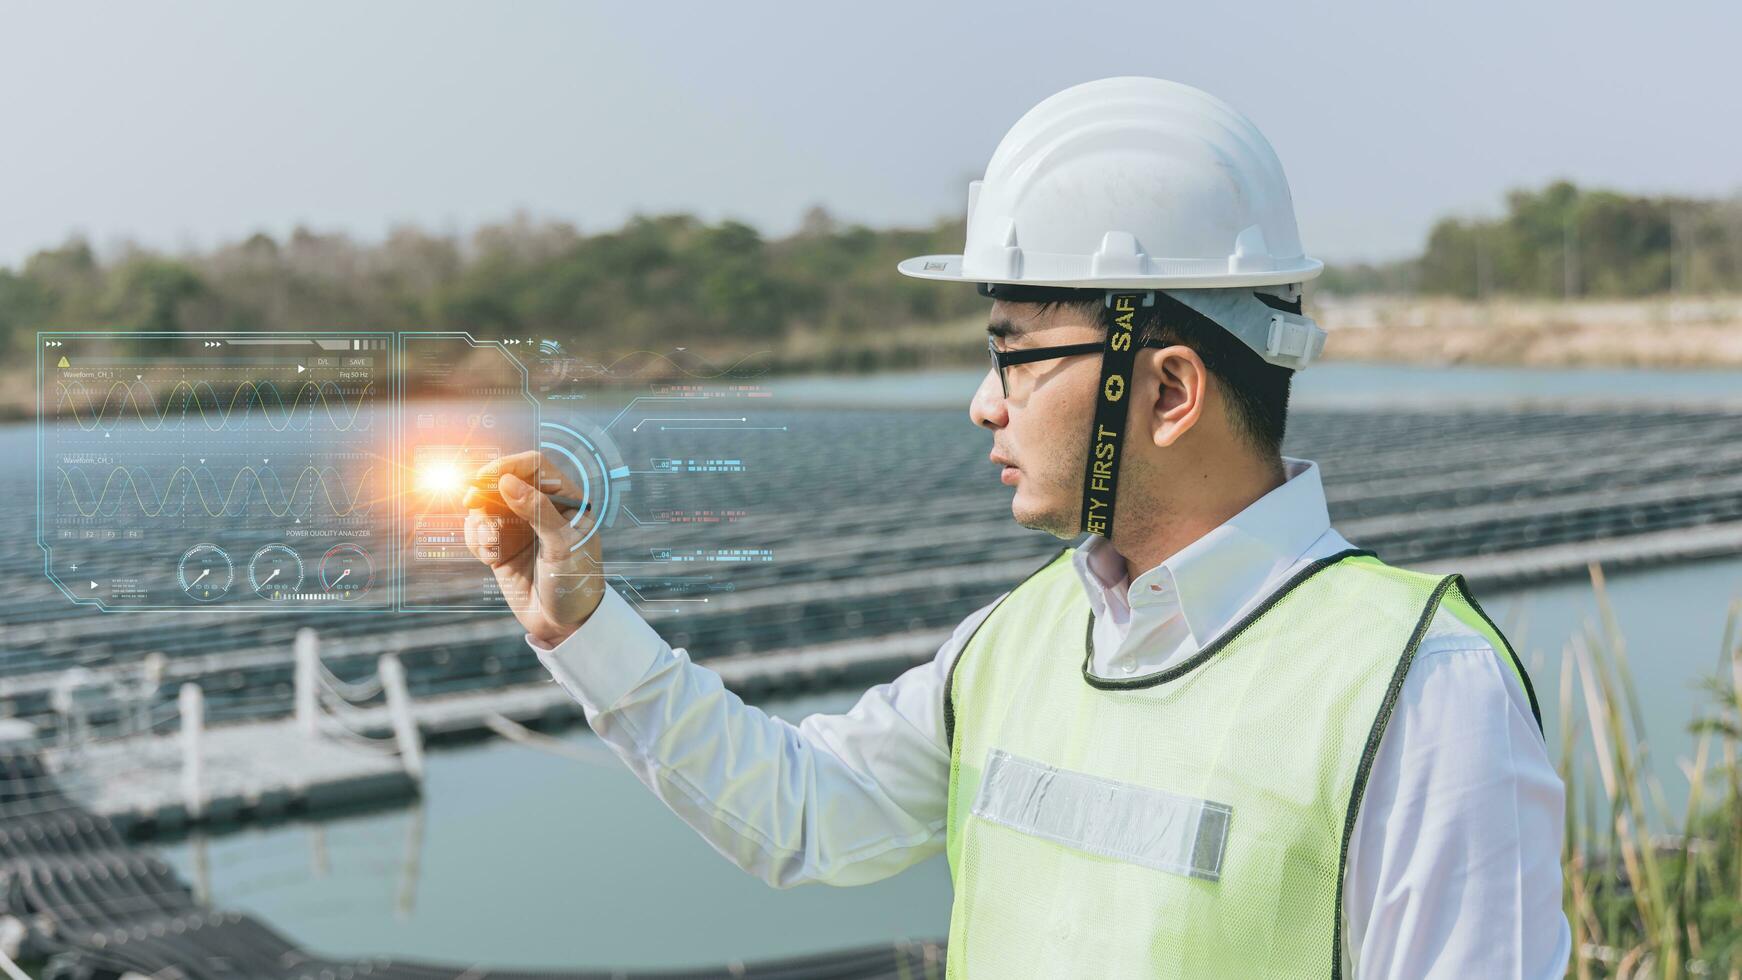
column 1101, row 469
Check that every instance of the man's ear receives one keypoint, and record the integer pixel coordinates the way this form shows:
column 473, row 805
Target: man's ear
column 1176, row 387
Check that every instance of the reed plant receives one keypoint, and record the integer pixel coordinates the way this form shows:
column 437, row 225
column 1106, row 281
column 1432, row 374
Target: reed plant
column 1648, row 891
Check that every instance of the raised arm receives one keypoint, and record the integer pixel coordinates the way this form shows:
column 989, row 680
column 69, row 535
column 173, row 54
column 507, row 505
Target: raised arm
column 838, row 798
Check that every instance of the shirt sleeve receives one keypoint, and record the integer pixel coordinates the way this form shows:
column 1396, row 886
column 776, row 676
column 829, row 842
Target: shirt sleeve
column 842, row 799
column 1454, row 866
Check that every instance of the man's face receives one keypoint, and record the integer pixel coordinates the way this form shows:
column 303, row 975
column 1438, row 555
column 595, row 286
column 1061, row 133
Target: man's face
column 1043, row 426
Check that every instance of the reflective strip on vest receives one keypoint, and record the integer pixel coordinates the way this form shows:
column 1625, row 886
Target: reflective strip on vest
column 1190, row 823
column 1120, row 820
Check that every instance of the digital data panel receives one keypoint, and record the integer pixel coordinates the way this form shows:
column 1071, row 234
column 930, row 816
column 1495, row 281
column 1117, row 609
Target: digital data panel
column 328, row 470
column 212, row 471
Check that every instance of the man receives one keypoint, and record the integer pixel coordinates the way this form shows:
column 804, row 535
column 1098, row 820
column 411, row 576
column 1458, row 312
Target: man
column 1273, row 756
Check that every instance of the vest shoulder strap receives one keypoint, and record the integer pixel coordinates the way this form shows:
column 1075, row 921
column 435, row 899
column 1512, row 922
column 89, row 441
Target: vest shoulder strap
column 950, row 677
column 1453, row 594
column 1461, row 602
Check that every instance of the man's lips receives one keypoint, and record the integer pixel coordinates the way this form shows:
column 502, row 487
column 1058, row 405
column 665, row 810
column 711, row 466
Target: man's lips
column 1009, row 471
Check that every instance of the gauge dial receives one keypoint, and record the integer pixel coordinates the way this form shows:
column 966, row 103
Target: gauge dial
column 346, row 571
column 275, row 571
column 205, row 573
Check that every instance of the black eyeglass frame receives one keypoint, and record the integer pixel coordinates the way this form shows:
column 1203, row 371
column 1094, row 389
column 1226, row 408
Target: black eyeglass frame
column 1002, row 359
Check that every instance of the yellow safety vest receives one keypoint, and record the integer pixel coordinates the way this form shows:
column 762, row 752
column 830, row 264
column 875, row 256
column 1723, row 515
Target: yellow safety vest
column 1191, row 823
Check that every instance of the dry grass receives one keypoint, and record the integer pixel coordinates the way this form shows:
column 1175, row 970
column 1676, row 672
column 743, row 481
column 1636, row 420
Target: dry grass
column 1643, row 903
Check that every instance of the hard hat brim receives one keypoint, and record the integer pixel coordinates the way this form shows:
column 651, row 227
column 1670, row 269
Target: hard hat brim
column 948, row 268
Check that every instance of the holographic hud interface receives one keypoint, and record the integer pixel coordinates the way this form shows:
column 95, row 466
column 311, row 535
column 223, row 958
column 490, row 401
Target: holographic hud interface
column 290, row 471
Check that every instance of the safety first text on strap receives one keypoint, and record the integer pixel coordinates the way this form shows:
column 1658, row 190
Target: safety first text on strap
column 1101, row 473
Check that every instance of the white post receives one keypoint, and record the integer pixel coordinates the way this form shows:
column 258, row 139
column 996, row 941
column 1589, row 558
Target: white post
column 308, row 660
column 67, row 703
column 151, row 677
column 392, row 674
column 193, row 723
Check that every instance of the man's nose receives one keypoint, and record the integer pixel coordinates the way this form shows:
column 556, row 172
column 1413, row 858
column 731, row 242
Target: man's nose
column 987, row 408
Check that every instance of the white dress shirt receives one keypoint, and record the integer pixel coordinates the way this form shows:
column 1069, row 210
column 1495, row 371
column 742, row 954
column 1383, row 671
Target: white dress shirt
column 1454, row 866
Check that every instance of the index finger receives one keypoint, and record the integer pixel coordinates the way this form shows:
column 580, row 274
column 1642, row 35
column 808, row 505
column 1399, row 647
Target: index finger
column 532, row 466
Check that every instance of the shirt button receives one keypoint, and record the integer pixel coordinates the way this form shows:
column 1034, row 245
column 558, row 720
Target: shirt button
column 1128, row 667
column 1154, row 587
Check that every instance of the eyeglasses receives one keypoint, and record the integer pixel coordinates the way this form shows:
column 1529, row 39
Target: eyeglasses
column 1002, row 359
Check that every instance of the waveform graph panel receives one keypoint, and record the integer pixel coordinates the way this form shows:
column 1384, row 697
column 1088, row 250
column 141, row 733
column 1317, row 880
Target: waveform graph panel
column 221, row 471
column 464, row 404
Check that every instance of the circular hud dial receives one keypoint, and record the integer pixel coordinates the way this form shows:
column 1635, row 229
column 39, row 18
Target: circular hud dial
column 205, row 573
column 346, row 571
column 275, row 572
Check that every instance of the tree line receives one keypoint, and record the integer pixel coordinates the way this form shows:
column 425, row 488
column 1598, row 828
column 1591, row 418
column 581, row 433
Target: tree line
column 656, row 278
column 676, row 277
column 1568, row 242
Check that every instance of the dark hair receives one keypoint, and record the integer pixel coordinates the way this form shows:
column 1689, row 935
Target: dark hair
column 1257, row 391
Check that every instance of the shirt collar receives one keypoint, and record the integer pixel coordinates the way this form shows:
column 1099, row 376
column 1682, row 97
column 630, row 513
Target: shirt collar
column 1213, row 578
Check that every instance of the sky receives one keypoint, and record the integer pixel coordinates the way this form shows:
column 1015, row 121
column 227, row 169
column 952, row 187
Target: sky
column 184, row 125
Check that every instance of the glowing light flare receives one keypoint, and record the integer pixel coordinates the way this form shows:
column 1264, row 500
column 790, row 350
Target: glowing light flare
column 441, row 478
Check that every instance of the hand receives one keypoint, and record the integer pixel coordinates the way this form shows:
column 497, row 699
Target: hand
column 554, row 587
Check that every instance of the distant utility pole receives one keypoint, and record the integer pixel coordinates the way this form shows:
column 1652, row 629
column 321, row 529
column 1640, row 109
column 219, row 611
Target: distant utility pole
column 1482, row 270
column 1675, row 242
column 1679, row 249
column 1570, row 257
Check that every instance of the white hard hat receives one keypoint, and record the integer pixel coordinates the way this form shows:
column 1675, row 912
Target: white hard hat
column 1129, row 182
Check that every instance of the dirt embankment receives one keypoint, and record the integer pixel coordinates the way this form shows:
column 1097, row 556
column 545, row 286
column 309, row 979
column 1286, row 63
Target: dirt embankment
column 1661, row 332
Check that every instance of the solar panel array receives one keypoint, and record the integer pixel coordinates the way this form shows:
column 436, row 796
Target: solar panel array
column 893, row 521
